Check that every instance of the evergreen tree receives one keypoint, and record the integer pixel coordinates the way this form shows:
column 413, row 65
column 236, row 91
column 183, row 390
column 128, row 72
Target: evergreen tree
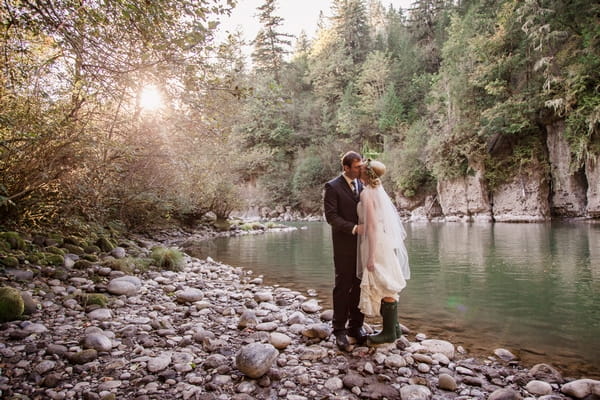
column 270, row 45
column 350, row 22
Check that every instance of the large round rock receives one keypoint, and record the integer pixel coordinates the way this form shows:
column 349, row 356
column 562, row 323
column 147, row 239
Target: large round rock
column 255, row 359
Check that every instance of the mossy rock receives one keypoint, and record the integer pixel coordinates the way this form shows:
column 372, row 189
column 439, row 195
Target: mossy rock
column 93, row 249
column 52, row 259
column 10, row 262
column 71, row 248
column 82, row 264
column 61, row 274
column 33, row 258
column 11, row 304
column 4, row 246
column 127, row 264
column 104, row 244
column 89, row 299
column 55, row 250
column 222, row 225
column 90, row 257
column 14, row 240
column 73, row 240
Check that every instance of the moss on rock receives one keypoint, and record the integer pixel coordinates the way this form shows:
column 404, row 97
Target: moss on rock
column 90, row 257
column 82, row 264
column 10, row 262
column 55, row 250
column 71, row 248
column 88, row 299
column 11, row 304
column 14, row 240
column 73, row 240
column 52, row 259
column 104, row 244
column 93, row 249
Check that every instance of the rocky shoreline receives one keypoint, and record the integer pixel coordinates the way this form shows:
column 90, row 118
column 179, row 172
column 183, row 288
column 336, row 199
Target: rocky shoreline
column 213, row 331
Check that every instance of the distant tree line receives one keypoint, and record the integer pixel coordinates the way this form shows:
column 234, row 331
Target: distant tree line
column 432, row 91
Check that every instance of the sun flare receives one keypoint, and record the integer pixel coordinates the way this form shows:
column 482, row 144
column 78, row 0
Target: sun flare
column 150, row 98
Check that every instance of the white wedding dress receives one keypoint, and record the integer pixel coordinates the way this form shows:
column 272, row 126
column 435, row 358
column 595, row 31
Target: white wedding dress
column 382, row 240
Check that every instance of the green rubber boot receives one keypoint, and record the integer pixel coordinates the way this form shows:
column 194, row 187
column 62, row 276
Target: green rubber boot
column 389, row 312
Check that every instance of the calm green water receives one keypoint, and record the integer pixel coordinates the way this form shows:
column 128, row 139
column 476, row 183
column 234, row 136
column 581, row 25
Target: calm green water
column 531, row 288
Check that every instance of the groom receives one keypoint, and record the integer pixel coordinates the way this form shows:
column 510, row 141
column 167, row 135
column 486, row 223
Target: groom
column 341, row 197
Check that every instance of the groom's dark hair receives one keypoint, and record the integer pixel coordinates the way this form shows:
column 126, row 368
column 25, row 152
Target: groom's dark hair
column 350, row 157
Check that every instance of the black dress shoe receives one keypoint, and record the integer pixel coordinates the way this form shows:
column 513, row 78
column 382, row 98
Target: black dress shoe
column 358, row 334
column 342, row 341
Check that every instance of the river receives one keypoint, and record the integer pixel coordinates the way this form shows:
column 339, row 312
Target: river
column 531, row 288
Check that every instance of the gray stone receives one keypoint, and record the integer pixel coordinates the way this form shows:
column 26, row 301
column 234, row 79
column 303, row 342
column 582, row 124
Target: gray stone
column 395, row 361
column 581, row 388
column 263, row 296
column 100, row 314
column 45, row 366
column 505, row 394
column 311, row 306
column 247, row 320
column 267, row 326
column 97, row 341
column 189, row 295
column 415, row 392
column 159, row 363
column 279, row 340
column 439, row 346
column 546, row 373
column 447, row 382
column 124, row 285
column 319, row 330
column 255, row 359
column 118, row 252
column 333, row 384
column 353, row 379
column 505, row 355
column 538, row 388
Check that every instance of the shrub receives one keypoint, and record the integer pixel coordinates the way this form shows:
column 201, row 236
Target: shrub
column 170, row 259
column 11, row 304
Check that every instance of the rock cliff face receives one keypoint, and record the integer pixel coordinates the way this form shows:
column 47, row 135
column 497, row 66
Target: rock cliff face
column 531, row 196
column 465, row 199
column 568, row 194
column 592, row 173
column 524, row 199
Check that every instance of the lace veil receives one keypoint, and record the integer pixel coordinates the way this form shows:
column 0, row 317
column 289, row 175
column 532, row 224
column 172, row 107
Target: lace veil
column 382, row 229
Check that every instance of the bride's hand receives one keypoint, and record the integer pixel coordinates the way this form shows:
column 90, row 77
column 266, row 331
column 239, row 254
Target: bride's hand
column 371, row 266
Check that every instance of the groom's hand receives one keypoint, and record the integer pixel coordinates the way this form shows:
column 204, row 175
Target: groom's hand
column 360, row 229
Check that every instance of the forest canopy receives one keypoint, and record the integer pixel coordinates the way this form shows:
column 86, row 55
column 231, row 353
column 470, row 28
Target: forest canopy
column 433, row 91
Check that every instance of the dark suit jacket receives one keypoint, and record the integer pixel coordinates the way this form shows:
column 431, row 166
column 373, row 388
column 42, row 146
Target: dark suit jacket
column 340, row 212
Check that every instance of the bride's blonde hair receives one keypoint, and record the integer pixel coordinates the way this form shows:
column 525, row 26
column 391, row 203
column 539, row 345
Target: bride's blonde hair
column 375, row 170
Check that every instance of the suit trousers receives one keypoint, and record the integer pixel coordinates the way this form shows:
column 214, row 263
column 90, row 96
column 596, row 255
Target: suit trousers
column 346, row 293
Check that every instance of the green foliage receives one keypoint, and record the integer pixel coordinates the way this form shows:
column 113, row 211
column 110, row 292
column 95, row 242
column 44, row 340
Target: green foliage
column 11, row 304
column 408, row 168
column 167, row 258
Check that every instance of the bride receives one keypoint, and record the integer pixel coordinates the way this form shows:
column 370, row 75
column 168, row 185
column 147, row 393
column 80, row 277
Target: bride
column 382, row 260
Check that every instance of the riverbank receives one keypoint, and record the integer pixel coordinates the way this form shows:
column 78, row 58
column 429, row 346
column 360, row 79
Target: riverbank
column 181, row 334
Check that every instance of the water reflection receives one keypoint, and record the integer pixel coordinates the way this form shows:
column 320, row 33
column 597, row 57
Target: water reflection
column 532, row 288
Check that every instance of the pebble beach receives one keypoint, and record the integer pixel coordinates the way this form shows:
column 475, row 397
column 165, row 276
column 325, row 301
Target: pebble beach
column 214, row 331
